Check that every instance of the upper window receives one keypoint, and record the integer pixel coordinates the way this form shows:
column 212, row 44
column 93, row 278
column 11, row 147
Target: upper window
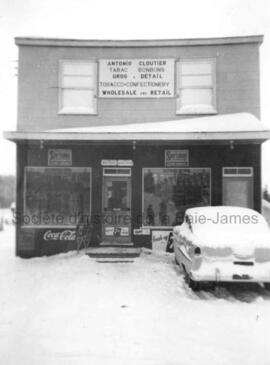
column 196, row 86
column 78, row 87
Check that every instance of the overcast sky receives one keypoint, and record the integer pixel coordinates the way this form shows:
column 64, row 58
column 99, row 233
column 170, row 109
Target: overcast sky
column 124, row 19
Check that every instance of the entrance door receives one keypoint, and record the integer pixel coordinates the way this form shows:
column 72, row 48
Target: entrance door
column 116, row 206
column 238, row 187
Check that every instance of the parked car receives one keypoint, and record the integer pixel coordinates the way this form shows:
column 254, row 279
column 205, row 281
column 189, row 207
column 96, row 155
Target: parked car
column 223, row 244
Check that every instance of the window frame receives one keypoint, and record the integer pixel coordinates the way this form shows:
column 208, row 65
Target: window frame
column 173, row 168
column 195, row 109
column 61, row 88
column 60, row 226
column 117, row 174
column 237, row 170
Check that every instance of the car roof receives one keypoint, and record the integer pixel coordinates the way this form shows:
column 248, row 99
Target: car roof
column 221, row 209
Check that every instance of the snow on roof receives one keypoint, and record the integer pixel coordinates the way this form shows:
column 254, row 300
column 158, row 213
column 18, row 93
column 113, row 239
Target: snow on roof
column 239, row 122
column 40, row 41
column 229, row 127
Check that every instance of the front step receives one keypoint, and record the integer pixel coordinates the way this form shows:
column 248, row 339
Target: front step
column 116, row 260
column 115, row 244
column 110, row 252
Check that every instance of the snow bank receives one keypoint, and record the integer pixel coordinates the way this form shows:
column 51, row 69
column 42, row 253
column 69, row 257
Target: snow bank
column 70, row 310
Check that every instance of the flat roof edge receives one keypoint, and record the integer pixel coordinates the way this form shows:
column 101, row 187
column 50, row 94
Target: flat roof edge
column 56, row 42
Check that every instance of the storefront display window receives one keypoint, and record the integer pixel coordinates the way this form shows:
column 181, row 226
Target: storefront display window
column 168, row 192
column 56, row 196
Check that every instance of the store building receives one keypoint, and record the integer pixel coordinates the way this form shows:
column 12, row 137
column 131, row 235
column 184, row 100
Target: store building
column 131, row 133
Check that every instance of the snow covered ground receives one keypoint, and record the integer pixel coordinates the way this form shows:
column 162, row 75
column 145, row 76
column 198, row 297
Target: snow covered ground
column 71, row 310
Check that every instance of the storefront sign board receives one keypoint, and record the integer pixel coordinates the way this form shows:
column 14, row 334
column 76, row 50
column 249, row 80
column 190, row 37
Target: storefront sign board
column 125, row 163
column 136, row 78
column 109, row 162
column 176, row 158
column 65, row 235
column 59, row 157
column 116, row 162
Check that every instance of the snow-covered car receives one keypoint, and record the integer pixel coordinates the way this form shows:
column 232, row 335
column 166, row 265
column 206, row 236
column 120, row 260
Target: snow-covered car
column 223, row 244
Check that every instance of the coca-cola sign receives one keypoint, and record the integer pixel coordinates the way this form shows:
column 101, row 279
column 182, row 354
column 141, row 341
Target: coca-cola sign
column 66, row 235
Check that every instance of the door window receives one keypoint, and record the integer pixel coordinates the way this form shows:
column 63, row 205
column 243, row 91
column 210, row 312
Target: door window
column 116, row 195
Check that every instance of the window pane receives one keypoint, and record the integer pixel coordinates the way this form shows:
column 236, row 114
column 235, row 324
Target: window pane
column 78, row 99
column 56, row 196
column 169, row 192
column 196, row 97
column 196, row 80
column 78, row 68
column 230, row 171
column 78, row 81
column 236, row 192
column 116, row 195
column 117, row 171
column 196, row 68
column 244, row 171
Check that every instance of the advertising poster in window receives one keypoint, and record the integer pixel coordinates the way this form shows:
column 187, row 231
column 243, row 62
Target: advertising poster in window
column 117, row 231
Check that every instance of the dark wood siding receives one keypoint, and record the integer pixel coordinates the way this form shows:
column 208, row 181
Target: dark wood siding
column 29, row 240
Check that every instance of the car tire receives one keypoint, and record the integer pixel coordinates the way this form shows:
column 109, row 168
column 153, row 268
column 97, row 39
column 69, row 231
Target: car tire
column 192, row 284
column 267, row 286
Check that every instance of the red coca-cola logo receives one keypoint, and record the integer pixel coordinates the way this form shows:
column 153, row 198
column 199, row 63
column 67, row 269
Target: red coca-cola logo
column 66, row 235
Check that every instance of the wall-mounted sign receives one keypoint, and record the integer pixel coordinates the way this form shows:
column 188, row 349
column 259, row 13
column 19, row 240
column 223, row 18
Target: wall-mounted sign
column 125, row 163
column 117, row 231
column 136, row 78
column 59, row 157
column 176, row 158
column 109, row 162
column 66, row 235
column 116, row 162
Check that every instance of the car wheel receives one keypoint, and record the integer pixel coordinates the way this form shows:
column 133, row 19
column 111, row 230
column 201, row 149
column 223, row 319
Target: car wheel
column 267, row 286
column 193, row 285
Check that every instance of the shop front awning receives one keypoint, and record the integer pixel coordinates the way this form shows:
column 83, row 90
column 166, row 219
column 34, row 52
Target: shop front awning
column 239, row 127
